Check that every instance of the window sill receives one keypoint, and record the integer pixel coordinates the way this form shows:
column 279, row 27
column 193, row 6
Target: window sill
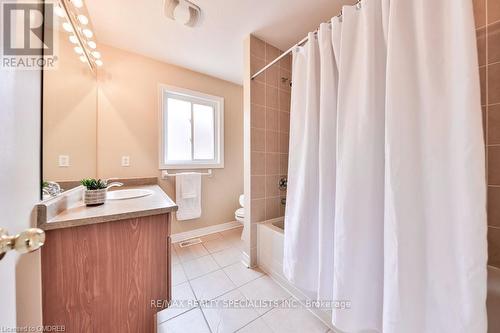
column 191, row 166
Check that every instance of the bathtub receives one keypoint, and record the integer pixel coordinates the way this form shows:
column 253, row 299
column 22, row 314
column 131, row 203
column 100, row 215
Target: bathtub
column 270, row 238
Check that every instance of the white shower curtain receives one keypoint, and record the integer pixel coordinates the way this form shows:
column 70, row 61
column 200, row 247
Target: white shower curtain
column 302, row 266
column 328, row 87
column 435, row 215
column 358, row 241
column 386, row 191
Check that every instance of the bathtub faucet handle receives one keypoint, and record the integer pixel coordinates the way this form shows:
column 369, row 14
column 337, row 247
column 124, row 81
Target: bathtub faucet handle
column 283, row 183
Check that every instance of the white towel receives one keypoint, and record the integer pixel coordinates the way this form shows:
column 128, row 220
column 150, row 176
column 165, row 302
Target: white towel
column 188, row 195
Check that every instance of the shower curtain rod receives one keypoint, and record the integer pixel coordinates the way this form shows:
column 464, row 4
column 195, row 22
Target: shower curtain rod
column 302, row 42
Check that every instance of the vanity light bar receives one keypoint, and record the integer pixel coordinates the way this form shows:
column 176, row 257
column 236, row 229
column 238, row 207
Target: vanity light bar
column 85, row 48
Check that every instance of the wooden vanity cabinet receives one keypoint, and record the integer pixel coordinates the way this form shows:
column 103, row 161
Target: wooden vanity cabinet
column 107, row 277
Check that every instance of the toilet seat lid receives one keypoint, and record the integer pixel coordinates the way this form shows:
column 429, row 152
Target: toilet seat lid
column 240, row 212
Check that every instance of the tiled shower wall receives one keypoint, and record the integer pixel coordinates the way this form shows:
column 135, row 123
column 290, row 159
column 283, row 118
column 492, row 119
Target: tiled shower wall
column 270, row 124
column 487, row 15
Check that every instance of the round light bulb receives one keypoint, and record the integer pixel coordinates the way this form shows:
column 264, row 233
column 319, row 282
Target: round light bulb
column 78, row 50
column 182, row 13
column 66, row 26
column 59, row 11
column 91, row 44
column 88, row 33
column 77, row 3
column 99, row 63
column 83, row 19
column 96, row 54
column 83, row 58
column 73, row 39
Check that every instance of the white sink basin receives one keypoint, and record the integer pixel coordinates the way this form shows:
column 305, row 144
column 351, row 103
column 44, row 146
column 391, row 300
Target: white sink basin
column 128, row 194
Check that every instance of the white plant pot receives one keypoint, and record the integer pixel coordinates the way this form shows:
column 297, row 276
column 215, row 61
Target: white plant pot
column 95, row 197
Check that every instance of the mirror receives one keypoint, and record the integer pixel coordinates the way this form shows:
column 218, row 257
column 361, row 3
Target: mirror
column 69, row 107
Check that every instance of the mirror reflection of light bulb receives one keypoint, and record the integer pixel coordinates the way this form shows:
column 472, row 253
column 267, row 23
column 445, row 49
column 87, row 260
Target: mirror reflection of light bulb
column 59, row 11
column 83, row 58
column 99, row 63
column 88, row 33
column 77, row 3
column 73, row 39
column 78, row 50
column 96, row 54
column 66, row 26
column 182, row 13
column 83, row 19
column 91, row 44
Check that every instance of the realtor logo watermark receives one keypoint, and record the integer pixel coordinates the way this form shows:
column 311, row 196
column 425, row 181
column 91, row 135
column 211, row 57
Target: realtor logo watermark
column 24, row 44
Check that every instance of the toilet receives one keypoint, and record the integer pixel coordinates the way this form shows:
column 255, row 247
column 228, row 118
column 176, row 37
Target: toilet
column 239, row 214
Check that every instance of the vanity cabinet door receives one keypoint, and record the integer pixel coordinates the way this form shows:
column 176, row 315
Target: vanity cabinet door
column 103, row 277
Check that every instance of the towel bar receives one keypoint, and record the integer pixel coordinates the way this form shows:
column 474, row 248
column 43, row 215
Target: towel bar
column 165, row 174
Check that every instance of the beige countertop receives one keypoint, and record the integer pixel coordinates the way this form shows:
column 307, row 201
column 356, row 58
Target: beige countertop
column 70, row 211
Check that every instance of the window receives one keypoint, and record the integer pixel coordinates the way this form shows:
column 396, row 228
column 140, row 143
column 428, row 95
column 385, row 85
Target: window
column 192, row 129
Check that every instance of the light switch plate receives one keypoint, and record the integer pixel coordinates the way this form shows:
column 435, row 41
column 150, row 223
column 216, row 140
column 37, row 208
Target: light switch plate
column 125, row 161
column 63, row 161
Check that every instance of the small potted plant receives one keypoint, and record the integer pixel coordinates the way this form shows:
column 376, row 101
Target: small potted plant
column 95, row 193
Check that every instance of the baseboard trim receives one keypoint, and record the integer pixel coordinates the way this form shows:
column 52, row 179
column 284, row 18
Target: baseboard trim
column 182, row 236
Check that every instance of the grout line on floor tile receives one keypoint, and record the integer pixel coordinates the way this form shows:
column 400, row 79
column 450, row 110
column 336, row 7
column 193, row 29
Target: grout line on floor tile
column 182, row 263
column 236, row 287
column 197, row 277
column 177, row 315
column 260, row 315
column 266, row 312
column 227, row 264
column 199, row 306
column 227, row 292
column 205, row 255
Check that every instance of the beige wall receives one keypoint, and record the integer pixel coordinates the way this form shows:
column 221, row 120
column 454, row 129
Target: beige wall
column 128, row 125
column 69, row 116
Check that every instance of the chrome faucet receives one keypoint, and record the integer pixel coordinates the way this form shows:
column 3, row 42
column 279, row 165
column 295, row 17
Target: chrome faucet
column 113, row 184
column 52, row 188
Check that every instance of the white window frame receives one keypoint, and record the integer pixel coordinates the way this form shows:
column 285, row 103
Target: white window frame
column 199, row 98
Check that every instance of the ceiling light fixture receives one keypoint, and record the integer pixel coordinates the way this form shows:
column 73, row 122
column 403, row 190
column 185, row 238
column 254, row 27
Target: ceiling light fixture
column 96, row 54
column 91, row 44
column 182, row 11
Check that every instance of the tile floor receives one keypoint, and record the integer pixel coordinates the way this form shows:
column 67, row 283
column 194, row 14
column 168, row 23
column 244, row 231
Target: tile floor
column 212, row 271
